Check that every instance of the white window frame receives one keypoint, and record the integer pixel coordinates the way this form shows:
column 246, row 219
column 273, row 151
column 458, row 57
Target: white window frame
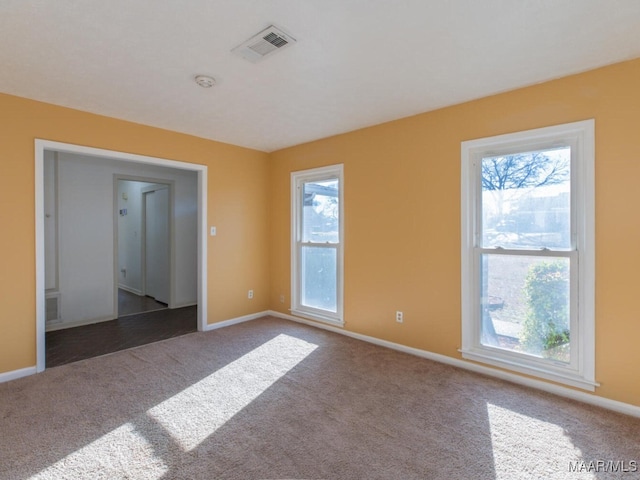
column 580, row 136
column 298, row 179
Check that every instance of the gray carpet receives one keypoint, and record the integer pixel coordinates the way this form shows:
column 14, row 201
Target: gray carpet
column 271, row 399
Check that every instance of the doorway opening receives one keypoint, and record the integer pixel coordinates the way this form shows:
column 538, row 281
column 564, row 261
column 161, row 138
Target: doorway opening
column 99, row 157
column 145, row 244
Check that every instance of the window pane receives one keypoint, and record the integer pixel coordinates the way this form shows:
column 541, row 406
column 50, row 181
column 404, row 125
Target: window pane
column 320, row 212
column 525, row 305
column 526, row 200
column 319, row 275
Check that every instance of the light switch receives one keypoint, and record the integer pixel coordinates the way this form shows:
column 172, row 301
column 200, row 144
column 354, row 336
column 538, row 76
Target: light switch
column 213, row 231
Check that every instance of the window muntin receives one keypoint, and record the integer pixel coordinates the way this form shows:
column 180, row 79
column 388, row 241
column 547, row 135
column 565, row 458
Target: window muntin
column 317, row 244
column 528, row 253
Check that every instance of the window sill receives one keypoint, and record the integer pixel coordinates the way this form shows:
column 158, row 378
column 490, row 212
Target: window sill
column 566, row 378
column 335, row 322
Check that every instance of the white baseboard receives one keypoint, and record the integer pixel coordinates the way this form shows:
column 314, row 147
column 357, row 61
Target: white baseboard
column 584, row 397
column 50, row 327
column 130, row 289
column 233, row 321
column 15, row 374
column 187, row 304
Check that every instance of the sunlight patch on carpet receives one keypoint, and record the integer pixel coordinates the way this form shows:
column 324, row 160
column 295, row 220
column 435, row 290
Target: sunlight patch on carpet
column 522, row 441
column 121, row 450
column 192, row 415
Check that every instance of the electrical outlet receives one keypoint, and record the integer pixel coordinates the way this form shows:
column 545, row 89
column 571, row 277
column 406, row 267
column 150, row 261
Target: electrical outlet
column 281, row 298
column 250, row 295
column 399, row 317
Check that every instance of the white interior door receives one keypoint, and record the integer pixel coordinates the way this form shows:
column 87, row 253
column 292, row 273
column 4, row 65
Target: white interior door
column 156, row 228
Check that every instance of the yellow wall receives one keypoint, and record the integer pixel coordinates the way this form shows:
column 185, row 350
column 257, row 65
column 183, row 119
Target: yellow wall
column 402, row 208
column 237, row 177
column 402, row 214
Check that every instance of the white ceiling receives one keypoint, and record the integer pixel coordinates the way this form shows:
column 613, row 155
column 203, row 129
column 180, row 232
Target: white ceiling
column 356, row 62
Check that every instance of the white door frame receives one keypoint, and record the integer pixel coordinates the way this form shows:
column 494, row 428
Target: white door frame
column 40, row 147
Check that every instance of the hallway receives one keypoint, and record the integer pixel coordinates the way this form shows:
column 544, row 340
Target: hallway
column 130, row 303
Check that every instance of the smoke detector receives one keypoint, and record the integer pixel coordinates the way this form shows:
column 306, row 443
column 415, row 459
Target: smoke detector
column 205, row 81
column 267, row 42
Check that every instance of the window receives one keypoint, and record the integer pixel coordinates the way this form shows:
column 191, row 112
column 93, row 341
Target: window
column 316, row 244
column 528, row 252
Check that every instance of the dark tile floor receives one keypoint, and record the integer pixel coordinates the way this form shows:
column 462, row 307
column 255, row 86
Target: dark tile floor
column 73, row 344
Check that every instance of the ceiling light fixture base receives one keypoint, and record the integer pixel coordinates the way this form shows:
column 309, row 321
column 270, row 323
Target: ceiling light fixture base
column 205, row 81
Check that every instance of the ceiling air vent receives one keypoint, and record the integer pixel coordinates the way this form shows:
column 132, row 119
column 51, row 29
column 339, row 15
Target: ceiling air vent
column 265, row 43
